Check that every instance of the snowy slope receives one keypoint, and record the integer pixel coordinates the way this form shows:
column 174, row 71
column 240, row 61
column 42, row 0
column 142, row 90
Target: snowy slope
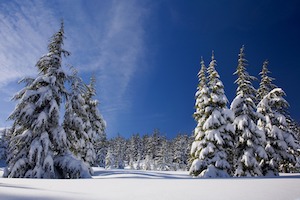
column 143, row 185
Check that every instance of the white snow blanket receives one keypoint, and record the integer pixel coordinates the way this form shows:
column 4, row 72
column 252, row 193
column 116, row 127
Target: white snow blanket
column 152, row 185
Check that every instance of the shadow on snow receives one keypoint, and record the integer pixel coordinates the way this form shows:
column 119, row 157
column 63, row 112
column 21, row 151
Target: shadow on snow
column 140, row 174
column 143, row 174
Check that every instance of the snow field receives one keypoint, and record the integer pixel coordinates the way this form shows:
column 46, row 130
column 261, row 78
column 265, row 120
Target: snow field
column 150, row 185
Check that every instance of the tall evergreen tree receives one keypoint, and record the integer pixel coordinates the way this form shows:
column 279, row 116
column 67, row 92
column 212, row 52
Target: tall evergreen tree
column 76, row 122
column 266, row 84
column 201, row 105
column 202, row 95
column 96, row 133
column 214, row 140
column 38, row 145
column 281, row 146
column 249, row 140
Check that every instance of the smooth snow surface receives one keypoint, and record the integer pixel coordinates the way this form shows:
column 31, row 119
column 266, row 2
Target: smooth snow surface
column 143, row 185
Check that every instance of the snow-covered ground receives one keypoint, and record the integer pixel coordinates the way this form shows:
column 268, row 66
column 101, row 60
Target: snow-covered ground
column 142, row 185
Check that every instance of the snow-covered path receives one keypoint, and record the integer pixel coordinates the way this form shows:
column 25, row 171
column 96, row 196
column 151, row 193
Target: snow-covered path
column 137, row 185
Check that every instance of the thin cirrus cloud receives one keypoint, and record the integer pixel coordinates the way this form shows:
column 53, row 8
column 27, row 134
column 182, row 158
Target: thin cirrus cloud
column 22, row 38
column 121, row 50
column 112, row 49
column 106, row 39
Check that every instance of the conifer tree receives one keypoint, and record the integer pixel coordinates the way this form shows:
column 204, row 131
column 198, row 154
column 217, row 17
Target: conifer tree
column 281, row 146
column 214, row 139
column 76, row 122
column 151, row 145
column 151, row 148
column 96, row 133
column 134, row 151
column 249, row 139
column 163, row 158
column 110, row 159
column 202, row 95
column 38, row 144
column 266, row 84
column 120, row 152
column 201, row 105
column 181, row 149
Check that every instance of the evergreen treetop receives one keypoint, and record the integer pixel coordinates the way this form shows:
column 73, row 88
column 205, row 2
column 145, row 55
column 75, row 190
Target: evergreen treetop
column 202, row 94
column 266, row 84
column 244, row 80
column 216, row 87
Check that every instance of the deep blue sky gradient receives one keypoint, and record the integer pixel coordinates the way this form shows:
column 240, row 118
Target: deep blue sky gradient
column 182, row 31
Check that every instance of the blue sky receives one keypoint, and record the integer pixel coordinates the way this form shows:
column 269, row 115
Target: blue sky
column 145, row 54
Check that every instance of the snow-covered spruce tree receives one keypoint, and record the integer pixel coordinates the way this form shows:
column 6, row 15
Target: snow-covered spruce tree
column 76, row 122
column 38, row 143
column 281, row 145
column 96, row 133
column 134, row 151
column 181, row 149
column 249, row 139
column 151, row 148
column 266, row 84
column 109, row 159
column 101, row 152
column 213, row 142
column 202, row 96
column 201, row 113
column 117, row 148
column 163, row 158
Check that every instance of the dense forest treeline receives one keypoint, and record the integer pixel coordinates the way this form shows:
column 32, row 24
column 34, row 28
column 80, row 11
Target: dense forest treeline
column 146, row 152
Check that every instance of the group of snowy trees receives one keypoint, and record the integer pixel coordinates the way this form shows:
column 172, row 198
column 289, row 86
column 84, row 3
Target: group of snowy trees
column 39, row 144
column 149, row 152
column 255, row 137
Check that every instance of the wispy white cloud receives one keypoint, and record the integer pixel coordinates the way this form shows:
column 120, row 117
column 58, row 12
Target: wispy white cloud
column 121, row 47
column 106, row 39
column 24, row 27
column 122, row 50
column 114, row 49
